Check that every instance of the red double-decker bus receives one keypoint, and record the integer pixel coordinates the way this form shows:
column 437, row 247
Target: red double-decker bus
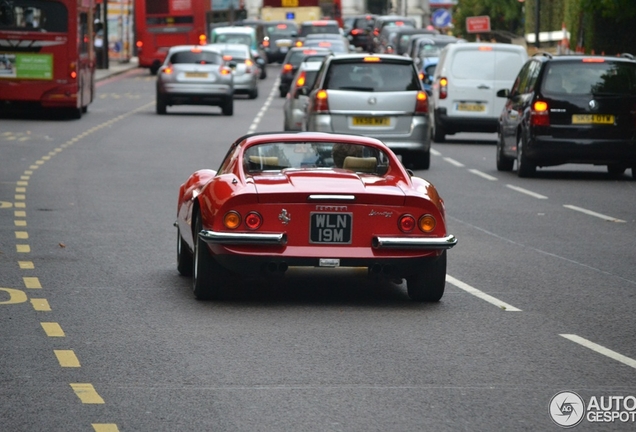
column 46, row 54
column 161, row 24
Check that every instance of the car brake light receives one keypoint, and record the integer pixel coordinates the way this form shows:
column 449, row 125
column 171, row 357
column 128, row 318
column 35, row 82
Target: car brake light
column 253, row 220
column 372, row 59
column 539, row 115
column 301, row 79
column 485, row 48
column 406, row 223
column 248, row 65
column 225, row 70
column 281, row 26
column 232, row 220
column 356, row 32
column 321, row 104
column 299, row 43
column 287, row 68
column 167, row 70
column 421, row 104
column 426, row 223
column 443, row 88
column 265, row 43
column 227, row 57
column 399, row 23
column 203, row 39
column 593, row 60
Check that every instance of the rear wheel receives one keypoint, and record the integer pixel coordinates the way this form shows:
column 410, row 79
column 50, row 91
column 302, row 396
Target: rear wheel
column 419, row 160
column 439, row 135
column 428, row 285
column 208, row 275
column 253, row 94
column 184, row 256
column 161, row 104
column 504, row 163
column 228, row 107
column 616, row 170
column 525, row 168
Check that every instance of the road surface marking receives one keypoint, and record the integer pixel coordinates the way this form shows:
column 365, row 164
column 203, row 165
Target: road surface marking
column 482, row 295
column 105, row 427
column 52, row 329
column 32, row 282
column 41, row 305
column 482, row 174
column 26, row 265
column 86, row 393
column 435, row 152
column 454, row 162
column 67, row 358
column 601, row 349
column 591, row 213
column 526, row 191
column 21, row 235
column 22, row 248
column 15, row 296
column 20, row 223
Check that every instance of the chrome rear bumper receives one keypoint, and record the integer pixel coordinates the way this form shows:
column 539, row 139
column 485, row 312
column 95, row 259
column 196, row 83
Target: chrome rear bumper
column 414, row 242
column 214, row 237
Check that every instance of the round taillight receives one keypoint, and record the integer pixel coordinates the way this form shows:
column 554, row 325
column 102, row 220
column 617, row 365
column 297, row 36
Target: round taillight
column 427, row 223
column 232, row 220
column 253, row 220
column 406, row 223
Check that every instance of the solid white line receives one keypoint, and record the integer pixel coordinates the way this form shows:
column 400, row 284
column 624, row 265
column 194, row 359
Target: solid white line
column 591, row 213
column 527, row 192
column 482, row 295
column 454, row 162
column 601, row 349
column 482, row 174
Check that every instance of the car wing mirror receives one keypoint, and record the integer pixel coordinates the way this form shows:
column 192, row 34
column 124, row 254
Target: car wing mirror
column 503, row 93
column 301, row 91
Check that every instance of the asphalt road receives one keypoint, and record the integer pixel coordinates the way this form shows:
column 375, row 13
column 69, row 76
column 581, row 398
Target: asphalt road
column 99, row 332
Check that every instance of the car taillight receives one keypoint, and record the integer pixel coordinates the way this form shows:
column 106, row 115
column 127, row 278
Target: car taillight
column 203, row 39
column 299, row 43
column 539, row 114
column 422, row 76
column 232, row 220
column 421, row 104
column 426, row 223
column 253, row 220
column 167, row 70
column 356, row 32
column 443, row 88
column 225, row 70
column 265, row 43
column 301, row 79
column 72, row 70
column 248, row 65
column 406, row 223
column 321, row 104
column 287, row 68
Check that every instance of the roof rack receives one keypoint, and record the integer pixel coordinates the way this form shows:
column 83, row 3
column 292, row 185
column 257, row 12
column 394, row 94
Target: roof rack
column 543, row 54
column 628, row 56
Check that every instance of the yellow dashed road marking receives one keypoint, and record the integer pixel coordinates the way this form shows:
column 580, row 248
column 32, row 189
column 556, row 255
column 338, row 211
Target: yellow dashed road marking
column 22, row 183
column 105, row 427
column 22, row 248
column 41, row 305
column 67, row 358
column 26, row 265
column 32, row 282
column 52, row 329
column 20, row 223
column 20, row 205
column 19, row 213
column 20, row 189
column 21, row 235
column 87, row 393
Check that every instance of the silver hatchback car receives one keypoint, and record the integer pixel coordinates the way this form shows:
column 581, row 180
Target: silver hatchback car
column 245, row 70
column 380, row 96
column 195, row 75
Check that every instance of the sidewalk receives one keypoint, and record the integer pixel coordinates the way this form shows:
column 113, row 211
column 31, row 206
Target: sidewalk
column 115, row 68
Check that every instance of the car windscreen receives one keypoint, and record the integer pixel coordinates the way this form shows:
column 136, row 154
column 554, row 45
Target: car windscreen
column 372, row 77
column 591, row 77
column 486, row 64
column 198, row 57
column 307, row 155
column 318, row 28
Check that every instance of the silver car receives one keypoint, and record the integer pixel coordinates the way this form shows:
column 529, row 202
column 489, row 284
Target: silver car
column 195, row 75
column 246, row 72
column 380, row 96
column 296, row 100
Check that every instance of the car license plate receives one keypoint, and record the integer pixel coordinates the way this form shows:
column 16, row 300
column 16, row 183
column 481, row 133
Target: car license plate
column 196, row 74
column 332, row 228
column 471, row 107
column 593, row 119
column 371, row 121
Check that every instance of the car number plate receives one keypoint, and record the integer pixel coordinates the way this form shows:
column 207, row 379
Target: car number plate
column 371, row 121
column 332, row 228
column 593, row 119
column 196, row 74
column 471, row 107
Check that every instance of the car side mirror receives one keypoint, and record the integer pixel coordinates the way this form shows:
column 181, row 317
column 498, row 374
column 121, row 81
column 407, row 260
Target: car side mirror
column 301, row 91
column 503, row 93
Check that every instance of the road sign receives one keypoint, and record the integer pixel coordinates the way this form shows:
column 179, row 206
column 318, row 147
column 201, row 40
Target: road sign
column 441, row 18
column 478, row 24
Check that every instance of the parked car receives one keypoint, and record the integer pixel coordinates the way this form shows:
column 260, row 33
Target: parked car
column 375, row 95
column 242, row 35
column 195, row 75
column 570, row 109
column 245, row 70
column 278, row 38
column 293, row 59
column 465, row 85
column 311, row 200
column 295, row 106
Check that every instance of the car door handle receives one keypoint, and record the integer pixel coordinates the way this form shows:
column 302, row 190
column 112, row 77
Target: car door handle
column 483, row 87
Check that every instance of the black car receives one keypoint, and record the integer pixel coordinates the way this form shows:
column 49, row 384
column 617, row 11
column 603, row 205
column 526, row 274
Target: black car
column 361, row 32
column 293, row 59
column 570, row 109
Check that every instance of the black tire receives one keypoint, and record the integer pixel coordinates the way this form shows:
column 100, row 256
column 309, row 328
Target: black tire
column 428, row 285
column 207, row 275
column 616, row 170
column 161, row 105
column 263, row 74
column 185, row 260
column 439, row 135
column 228, row 107
column 418, row 160
column 254, row 93
column 504, row 163
column 525, row 168
column 282, row 93
column 634, row 172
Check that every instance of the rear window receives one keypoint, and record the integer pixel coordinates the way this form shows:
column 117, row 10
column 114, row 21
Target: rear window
column 196, row 57
column 234, row 38
column 280, row 31
column 297, row 57
column 581, row 78
column 318, row 29
column 333, row 46
column 372, row 77
column 33, row 15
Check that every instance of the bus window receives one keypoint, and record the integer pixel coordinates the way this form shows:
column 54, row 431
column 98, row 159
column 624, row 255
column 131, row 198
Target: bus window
column 35, row 15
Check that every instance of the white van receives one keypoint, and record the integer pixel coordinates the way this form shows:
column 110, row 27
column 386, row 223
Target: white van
column 465, row 85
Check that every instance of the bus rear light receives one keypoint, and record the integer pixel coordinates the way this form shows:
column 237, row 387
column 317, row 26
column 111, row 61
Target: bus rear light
column 406, row 223
column 539, row 114
column 72, row 70
column 421, row 104
column 321, row 104
column 443, row 88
